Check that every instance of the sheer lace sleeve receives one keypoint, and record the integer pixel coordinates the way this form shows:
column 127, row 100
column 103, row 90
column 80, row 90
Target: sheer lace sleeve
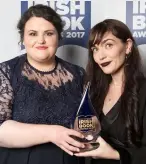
column 6, row 93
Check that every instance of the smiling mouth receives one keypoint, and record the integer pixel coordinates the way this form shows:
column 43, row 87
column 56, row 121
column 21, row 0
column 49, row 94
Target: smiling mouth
column 41, row 48
column 105, row 64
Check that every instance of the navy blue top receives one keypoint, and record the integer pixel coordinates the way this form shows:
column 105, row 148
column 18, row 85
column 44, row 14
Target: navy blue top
column 28, row 95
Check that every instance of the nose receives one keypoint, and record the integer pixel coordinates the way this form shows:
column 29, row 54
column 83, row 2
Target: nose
column 41, row 39
column 101, row 54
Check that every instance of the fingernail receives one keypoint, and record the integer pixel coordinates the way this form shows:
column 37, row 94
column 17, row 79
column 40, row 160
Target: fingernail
column 71, row 154
column 83, row 146
column 78, row 150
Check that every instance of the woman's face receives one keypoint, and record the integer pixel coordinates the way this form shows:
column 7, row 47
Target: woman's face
column 110, row 54
column 40, row 39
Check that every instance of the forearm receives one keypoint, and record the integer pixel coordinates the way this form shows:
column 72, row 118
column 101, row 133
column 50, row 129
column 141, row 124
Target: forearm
column 15, row 134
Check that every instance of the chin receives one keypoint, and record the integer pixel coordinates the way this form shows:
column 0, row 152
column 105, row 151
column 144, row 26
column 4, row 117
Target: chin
column 41, row 60
column 44, row 57
column 108, row 72
column 44, row 60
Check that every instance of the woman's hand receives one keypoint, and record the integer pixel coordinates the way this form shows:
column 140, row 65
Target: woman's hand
column 104, row 151
column 61, row 136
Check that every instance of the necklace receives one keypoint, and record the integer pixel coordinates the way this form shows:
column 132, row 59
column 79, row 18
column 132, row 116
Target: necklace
column 113, row 84
column 114, row 93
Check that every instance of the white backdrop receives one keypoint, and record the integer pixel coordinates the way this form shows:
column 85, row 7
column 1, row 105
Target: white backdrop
column 80, row 16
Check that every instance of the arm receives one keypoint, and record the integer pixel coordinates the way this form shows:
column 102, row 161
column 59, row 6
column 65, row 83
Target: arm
column 12, row 133
column 18, row 135
column 15, row 134
column 104, row 151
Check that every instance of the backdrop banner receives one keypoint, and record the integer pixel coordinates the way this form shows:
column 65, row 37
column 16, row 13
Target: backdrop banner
column 78, row 16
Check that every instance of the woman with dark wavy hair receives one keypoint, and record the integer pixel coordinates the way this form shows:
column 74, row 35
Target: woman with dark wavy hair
column 118, row 94
column 39, row 95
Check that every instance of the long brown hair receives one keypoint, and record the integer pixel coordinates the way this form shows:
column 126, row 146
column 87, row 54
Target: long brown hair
column 133, row 74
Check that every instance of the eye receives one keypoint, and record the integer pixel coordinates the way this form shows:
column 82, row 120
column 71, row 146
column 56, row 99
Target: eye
column 108, row 45
column 94, row 49
column 49, row 33
column 33, row 34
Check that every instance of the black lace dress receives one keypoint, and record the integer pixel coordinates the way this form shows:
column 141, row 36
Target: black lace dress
column 28, row 95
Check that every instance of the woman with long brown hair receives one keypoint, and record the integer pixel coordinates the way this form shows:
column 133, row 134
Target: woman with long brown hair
column 118, row 94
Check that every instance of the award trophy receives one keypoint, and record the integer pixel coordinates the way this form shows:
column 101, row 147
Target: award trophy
column 87, row 123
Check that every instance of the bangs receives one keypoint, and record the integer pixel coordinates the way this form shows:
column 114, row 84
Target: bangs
column 97, row 34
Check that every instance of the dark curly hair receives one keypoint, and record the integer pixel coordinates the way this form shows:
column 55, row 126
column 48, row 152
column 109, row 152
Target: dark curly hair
column 42, row 11
column 133, row 75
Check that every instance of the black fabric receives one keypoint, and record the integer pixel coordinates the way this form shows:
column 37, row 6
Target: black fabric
column 114, row 132
column 32, row 103
column 41, row 154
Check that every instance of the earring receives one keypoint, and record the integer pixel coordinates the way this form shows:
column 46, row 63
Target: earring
column 128, row 55
column 126, row 59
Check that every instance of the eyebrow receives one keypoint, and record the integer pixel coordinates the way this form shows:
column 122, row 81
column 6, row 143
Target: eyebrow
column 104, row 41
column 44, row 31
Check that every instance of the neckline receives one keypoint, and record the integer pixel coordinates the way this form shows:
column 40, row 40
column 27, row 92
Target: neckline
column 43, row 72
column 112, row 114
column 110, row 111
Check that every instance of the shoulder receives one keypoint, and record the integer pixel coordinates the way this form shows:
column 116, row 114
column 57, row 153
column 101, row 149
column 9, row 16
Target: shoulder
column 75, row 69
column 12, row 61
column 8, row 67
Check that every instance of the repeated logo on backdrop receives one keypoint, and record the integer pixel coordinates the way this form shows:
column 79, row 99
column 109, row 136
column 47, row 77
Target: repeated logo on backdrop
column 77, row 19
column 136, row 19
column 76, row 16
